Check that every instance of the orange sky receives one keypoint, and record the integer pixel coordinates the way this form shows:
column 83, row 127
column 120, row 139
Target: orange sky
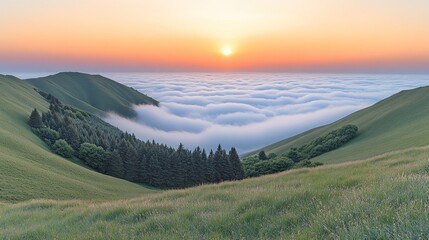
column 190, row 34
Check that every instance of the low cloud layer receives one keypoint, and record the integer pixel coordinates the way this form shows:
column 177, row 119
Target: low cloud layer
column 249, row 111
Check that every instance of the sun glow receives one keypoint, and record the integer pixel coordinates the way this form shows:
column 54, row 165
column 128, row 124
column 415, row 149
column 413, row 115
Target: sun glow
column 226, row 51
column 206, row 35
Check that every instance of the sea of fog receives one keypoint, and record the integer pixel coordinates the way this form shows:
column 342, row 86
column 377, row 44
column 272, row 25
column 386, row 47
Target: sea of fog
column 247, row 110
column 251, row 110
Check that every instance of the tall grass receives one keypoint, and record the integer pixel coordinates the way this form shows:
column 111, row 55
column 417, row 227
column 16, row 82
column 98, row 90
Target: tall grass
column 385, row 197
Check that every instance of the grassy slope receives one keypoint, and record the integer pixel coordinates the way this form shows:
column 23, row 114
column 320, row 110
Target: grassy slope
column 346, row 201
column 92, row 93
column 398, row 122
column 384, row 197
column 29, row 170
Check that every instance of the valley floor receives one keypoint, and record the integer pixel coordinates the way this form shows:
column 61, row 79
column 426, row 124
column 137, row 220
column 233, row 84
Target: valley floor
column 384, row 197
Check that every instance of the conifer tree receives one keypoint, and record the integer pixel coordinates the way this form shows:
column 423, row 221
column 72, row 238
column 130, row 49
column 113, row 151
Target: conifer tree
column 131, row 164
column 197, row 165
column 226, row 172
column 218, row 164
column 154, row 171
column 115, row 165
column 123, row 148
column 205, row 167
column 179, row 169
column 71, row 136
column 212, row 175
column 236, row 166
column 35, row 120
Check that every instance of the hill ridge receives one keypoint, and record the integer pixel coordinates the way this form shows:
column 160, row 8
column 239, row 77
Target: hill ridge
column 92, row 92
column 382, row 126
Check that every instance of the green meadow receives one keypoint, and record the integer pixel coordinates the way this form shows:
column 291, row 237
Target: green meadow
column 385, row 197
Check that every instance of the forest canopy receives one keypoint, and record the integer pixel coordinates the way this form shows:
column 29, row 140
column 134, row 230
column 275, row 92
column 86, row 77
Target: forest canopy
column 71, row 132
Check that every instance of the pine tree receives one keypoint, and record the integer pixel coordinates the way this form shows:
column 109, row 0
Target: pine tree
column 188, row 168
column 212, row 175
column 236, row 166
column 179, row 166
column 72, row 136
column 35, row 120
column 205, row 167
column 198, row 166
column 143, row 170
column 154, row 171
column 226, row 171
column 115, row 165
column 162, row 177
column 218, row 164
column 131, row 164
column 123, row 148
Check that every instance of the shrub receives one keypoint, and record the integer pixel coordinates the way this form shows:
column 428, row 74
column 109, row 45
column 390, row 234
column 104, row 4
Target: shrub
column 62, row 148
column 47, row 134
column 268, row 166
column 308, row 163
column 262, row 155
column 326, row 143
column 299, row 157
column 92, row 155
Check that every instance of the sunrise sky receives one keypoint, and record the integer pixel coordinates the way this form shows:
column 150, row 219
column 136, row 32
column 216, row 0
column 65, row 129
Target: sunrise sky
column 213, row 35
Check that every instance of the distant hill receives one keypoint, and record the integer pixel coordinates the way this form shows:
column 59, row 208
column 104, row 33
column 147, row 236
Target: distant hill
column 28, row 169
column 398, row 122
column 92, row 93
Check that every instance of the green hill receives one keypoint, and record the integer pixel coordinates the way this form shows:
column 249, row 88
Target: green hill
column 92, row 93
column 398, row 122
column 380, row 198
column 28, row 170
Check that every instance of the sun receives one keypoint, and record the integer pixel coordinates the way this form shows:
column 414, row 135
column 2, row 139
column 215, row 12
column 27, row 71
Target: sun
column 227, row 51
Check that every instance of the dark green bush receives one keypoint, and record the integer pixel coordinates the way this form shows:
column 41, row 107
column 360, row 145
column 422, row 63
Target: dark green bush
column 93, row 156
column 47, row 134
column 299, row 157
column 62, row 148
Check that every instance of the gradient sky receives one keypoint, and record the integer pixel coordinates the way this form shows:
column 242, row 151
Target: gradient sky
column 191, row 34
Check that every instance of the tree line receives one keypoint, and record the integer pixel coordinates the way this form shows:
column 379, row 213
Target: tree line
column 74, row 133
column 299, row 157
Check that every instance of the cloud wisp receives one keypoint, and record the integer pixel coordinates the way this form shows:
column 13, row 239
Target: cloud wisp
column 248, row 111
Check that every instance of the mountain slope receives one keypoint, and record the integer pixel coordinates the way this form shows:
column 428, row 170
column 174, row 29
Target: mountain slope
column 93, row 93
column 398, row 122
column 341, row 201
column 28, row 169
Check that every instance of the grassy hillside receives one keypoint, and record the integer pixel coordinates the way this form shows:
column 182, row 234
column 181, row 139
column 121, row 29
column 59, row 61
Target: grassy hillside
column 93, row 93
column 381, row 197
column 29, row 170
column 398, row 122
column 342, row 201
